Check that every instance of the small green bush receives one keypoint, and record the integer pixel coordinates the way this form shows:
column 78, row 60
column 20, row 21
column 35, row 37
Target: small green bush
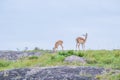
column 33, row 57
column 70, row 52
column 80, row 54
column 53, row 57
column 36, row 48
column 4, row 63
column 64, row 53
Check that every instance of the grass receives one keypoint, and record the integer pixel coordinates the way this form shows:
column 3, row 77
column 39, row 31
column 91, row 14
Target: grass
column 99, row 58
column 103, row 58
column 112, row 75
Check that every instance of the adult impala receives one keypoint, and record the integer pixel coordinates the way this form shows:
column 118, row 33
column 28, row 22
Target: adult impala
column 57, row 44
column 81, row 41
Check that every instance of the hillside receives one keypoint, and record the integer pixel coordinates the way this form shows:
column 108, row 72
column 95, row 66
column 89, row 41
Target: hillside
column 100, row 65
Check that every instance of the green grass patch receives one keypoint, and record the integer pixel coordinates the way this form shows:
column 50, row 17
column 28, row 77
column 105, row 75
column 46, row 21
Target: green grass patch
column 71, row 52
column 4, row 63
column 33, row 57
column 112, row 75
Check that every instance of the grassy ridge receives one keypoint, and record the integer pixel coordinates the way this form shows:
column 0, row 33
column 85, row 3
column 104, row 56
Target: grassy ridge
column 100, row 58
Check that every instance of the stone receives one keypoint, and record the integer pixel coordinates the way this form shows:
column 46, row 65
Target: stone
column 53, row 73
column 15, row 55
column 74, row 58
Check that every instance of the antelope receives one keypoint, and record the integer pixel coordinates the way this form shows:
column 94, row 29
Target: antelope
column 58, row 43
column 81, row 40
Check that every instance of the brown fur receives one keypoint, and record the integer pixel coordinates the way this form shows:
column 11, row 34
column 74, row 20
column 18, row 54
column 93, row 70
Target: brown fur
column 80, row 40
column 58, row 43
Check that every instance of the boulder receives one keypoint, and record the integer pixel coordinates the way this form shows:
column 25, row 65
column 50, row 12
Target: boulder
column 74, row 58
column 52, row 73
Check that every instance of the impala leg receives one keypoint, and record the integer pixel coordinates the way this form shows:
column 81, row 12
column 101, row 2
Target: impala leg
column 76, row 46
column 62, row 47
column 53, row 49
column 56, row 50
column 83, row 46
column 79, row 46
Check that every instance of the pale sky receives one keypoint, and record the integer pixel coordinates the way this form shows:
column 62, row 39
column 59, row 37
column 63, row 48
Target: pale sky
column 39, row 23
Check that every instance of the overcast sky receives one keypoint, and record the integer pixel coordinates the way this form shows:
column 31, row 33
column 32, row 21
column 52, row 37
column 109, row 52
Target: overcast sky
column 39, row 23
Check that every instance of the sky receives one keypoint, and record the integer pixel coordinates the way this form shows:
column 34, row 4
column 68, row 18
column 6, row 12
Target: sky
column 40, row 23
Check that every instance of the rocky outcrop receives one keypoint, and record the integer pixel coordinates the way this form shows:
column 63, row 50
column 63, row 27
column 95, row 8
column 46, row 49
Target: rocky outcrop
column 14, row 55
column 53, row 73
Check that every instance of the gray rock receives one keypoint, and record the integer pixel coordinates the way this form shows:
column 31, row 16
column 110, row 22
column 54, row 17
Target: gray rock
column 54, row 73
column 14, row 55
column 74, row 58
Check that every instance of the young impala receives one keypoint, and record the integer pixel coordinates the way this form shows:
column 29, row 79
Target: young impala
column 58, row 43
column 81, row 40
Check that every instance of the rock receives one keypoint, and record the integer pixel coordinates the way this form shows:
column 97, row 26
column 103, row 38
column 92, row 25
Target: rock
column 74, row 58
column 14, row 55
column 53, row 73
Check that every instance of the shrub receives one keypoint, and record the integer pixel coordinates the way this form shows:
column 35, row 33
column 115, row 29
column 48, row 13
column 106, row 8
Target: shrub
column 63, row 53
column 53, row 57
column 4, row 63
column 36, row 48
column 80, row 54
column 70, row 52
column 67, row 53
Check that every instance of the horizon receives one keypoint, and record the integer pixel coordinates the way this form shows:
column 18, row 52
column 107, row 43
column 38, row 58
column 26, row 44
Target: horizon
column 28, row 23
